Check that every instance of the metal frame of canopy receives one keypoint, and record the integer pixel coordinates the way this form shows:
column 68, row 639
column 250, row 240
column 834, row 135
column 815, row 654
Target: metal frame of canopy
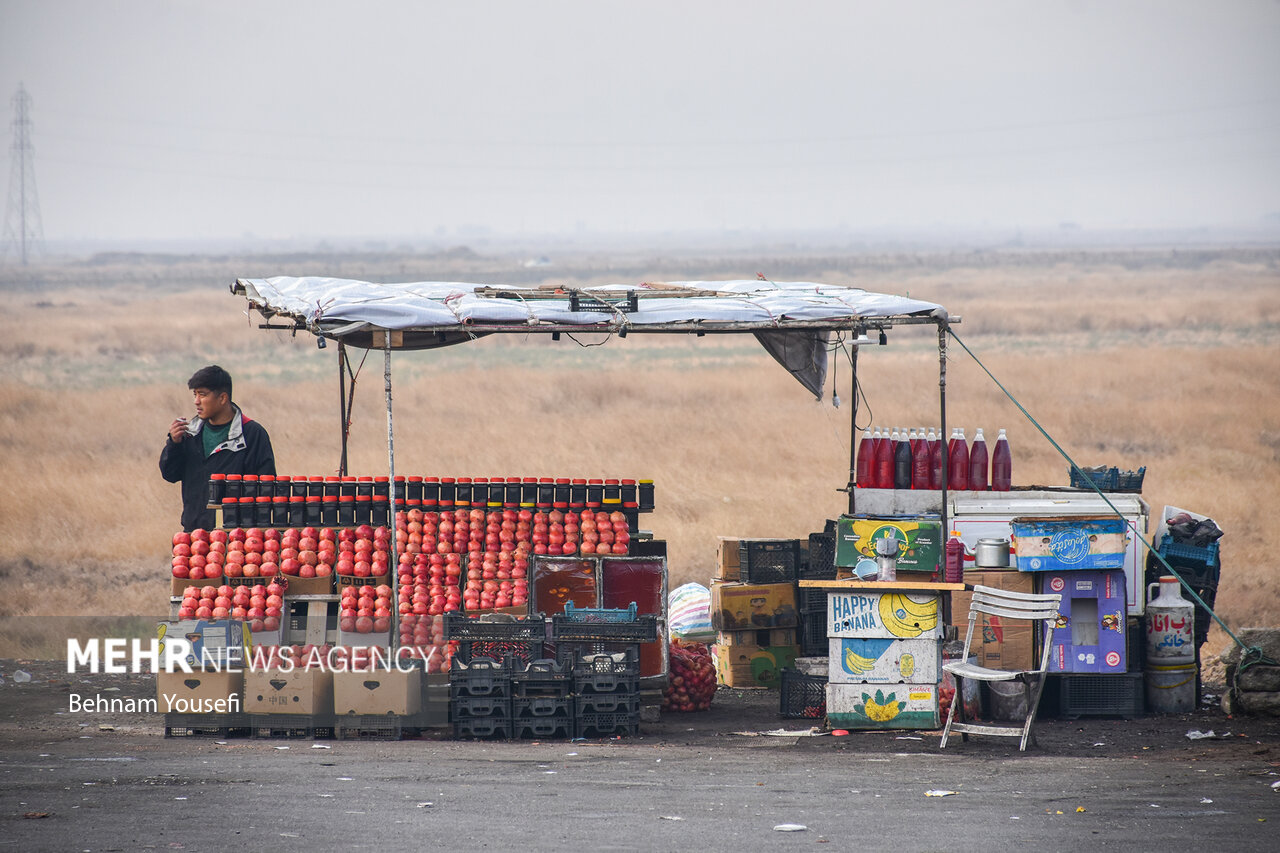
column 365, row 335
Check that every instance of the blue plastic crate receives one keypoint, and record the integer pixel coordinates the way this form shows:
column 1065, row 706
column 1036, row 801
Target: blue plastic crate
column 599, row 614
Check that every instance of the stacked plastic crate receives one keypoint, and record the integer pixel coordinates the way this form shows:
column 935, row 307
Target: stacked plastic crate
column 480, row 698
column 541, row 703
column 606, row 694
column 821, row 565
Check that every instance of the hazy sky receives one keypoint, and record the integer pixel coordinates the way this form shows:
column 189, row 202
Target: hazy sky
column 160, row 120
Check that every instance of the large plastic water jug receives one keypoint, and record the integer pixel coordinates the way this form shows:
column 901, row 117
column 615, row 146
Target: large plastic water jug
column 1170, row 623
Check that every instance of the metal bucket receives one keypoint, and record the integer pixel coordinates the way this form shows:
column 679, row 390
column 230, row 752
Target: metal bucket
column 1171, row 689
column 1008, row 700
column 992, row 554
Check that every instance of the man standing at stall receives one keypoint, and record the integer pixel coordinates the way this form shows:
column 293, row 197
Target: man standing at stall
column 220, row 440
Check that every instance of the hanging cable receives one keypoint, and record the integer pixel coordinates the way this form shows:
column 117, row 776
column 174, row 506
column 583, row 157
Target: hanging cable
column 1250, row 655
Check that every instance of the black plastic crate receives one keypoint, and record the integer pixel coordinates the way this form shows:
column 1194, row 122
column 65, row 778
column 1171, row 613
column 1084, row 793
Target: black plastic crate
column 516, row 653
column 206, row 725
column 802, row 697
column 812, row 600
column 480, row 706
column 822, row 558
column 647, row 547
column 498, row 728
column 525, row 707
column 1109, row 478
column 606, row 725
column 291, row 726
column 769, row 560
column 542, row 677
column 643, row 630
column 622, row 702
column 606, row 673
column 813, row 635
column 556, row 728
column 1111, row 695
column 479, row 677
column 495, row 627
column 369, row 727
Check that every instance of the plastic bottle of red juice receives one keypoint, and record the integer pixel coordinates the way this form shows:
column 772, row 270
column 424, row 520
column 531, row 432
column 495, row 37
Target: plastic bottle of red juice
column 1001, row 465
column 978, row 463
column 902, row 464
column 958, row 469
column 884, row 463
column 935, row 459
column 866, row 451
column 920, row 458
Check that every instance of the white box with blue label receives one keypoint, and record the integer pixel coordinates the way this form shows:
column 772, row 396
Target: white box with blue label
column 884, row 661
column 884, row 615
column 1089, row 633
column 1070, row 544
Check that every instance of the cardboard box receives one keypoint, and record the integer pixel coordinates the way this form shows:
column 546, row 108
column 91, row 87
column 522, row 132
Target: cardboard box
column 354, row 639
column 1089, row 635
column 753, row 666
column 179, row 584
column 213, row 643
column 919, row 541
column 762, row 637
column 311, row 586
column 727, row 559
column 882, row 706
column 871, row 614
column 744, row 606
column 879, row 661
column 1070, row 544
column 199, row 692
column 997, row 642
column 378, row 692
column 299, row 691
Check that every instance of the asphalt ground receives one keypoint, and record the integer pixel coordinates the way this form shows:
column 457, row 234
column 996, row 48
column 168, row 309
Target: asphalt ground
column 99, row 782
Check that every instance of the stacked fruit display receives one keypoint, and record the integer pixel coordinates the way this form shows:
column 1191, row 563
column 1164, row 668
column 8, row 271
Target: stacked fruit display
column 306, row 552
column 422, row 637
column 260, row 605
column 298, row 657
column 365, row 609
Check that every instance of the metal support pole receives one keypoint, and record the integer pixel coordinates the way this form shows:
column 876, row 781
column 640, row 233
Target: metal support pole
column 942, row 402
column 394, row 558
column 342, row 404
column 853, row 428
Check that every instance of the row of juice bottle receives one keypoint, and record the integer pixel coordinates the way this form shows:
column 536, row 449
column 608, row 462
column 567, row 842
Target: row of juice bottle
column 912, row 459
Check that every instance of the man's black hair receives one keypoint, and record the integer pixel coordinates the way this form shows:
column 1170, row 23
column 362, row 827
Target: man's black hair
column 212, row 377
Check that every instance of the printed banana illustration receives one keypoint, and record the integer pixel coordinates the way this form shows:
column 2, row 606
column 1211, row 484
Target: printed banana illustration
column 903, row 616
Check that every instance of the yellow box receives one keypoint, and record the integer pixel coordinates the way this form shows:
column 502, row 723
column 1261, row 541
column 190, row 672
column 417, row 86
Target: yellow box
column 746, row 606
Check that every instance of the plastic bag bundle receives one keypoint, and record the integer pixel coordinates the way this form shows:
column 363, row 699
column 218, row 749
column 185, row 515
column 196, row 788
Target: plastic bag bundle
column 689, row 613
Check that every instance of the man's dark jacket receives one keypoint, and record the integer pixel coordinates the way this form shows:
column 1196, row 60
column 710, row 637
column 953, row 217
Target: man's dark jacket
column 247, row 450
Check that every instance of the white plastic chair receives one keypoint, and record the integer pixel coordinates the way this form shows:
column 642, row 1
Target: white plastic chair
column 1009, row 606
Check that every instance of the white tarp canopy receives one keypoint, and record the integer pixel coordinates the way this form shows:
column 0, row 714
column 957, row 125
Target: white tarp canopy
column 791, row 319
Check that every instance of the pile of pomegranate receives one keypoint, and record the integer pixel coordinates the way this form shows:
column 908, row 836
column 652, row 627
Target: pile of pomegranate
column 691, row 683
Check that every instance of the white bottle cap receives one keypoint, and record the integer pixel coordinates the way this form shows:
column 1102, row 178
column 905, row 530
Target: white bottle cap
column 979, row 437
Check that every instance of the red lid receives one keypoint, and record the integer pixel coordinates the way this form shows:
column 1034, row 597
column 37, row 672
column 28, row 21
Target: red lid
column 631, row 505
column 414, row 502
column 364, row 498
column 314, row 499
column 331, row 479
column 529, row 480
column 279, row 500
column 593, row 504
column 579, row 482
column 560, row 505
column 484, row 480
column 425, row 502
column 250, row 477
column 628, row 482
column 429, row 479
column 447, row 480
column 513, row 479
column 263, row 499
column 595, row 482
column 317, row 479
column 464, row 479
column 415, row 479
column 399, row 478
column 267, row 478
column 347, row 498
column 562, row 481
column 348, row 479
column 231, row 501
column 217, row 476
column 545, row 480
column 234, row 477
column 364, row 479
column 247, row 501
column 284, row 478
column 612, row 482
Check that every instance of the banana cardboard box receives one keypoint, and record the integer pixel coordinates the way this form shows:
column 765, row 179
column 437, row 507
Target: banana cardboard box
column 884, row 661
column 882, row 706
column 919, row 542
column 753, row 666
column 215, row 644
column 884, row 615
column 752, row 606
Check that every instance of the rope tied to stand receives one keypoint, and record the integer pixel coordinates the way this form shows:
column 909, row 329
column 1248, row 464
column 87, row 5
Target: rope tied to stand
column 1250, row 655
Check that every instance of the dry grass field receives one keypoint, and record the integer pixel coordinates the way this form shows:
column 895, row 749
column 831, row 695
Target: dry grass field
column 1157, row 358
